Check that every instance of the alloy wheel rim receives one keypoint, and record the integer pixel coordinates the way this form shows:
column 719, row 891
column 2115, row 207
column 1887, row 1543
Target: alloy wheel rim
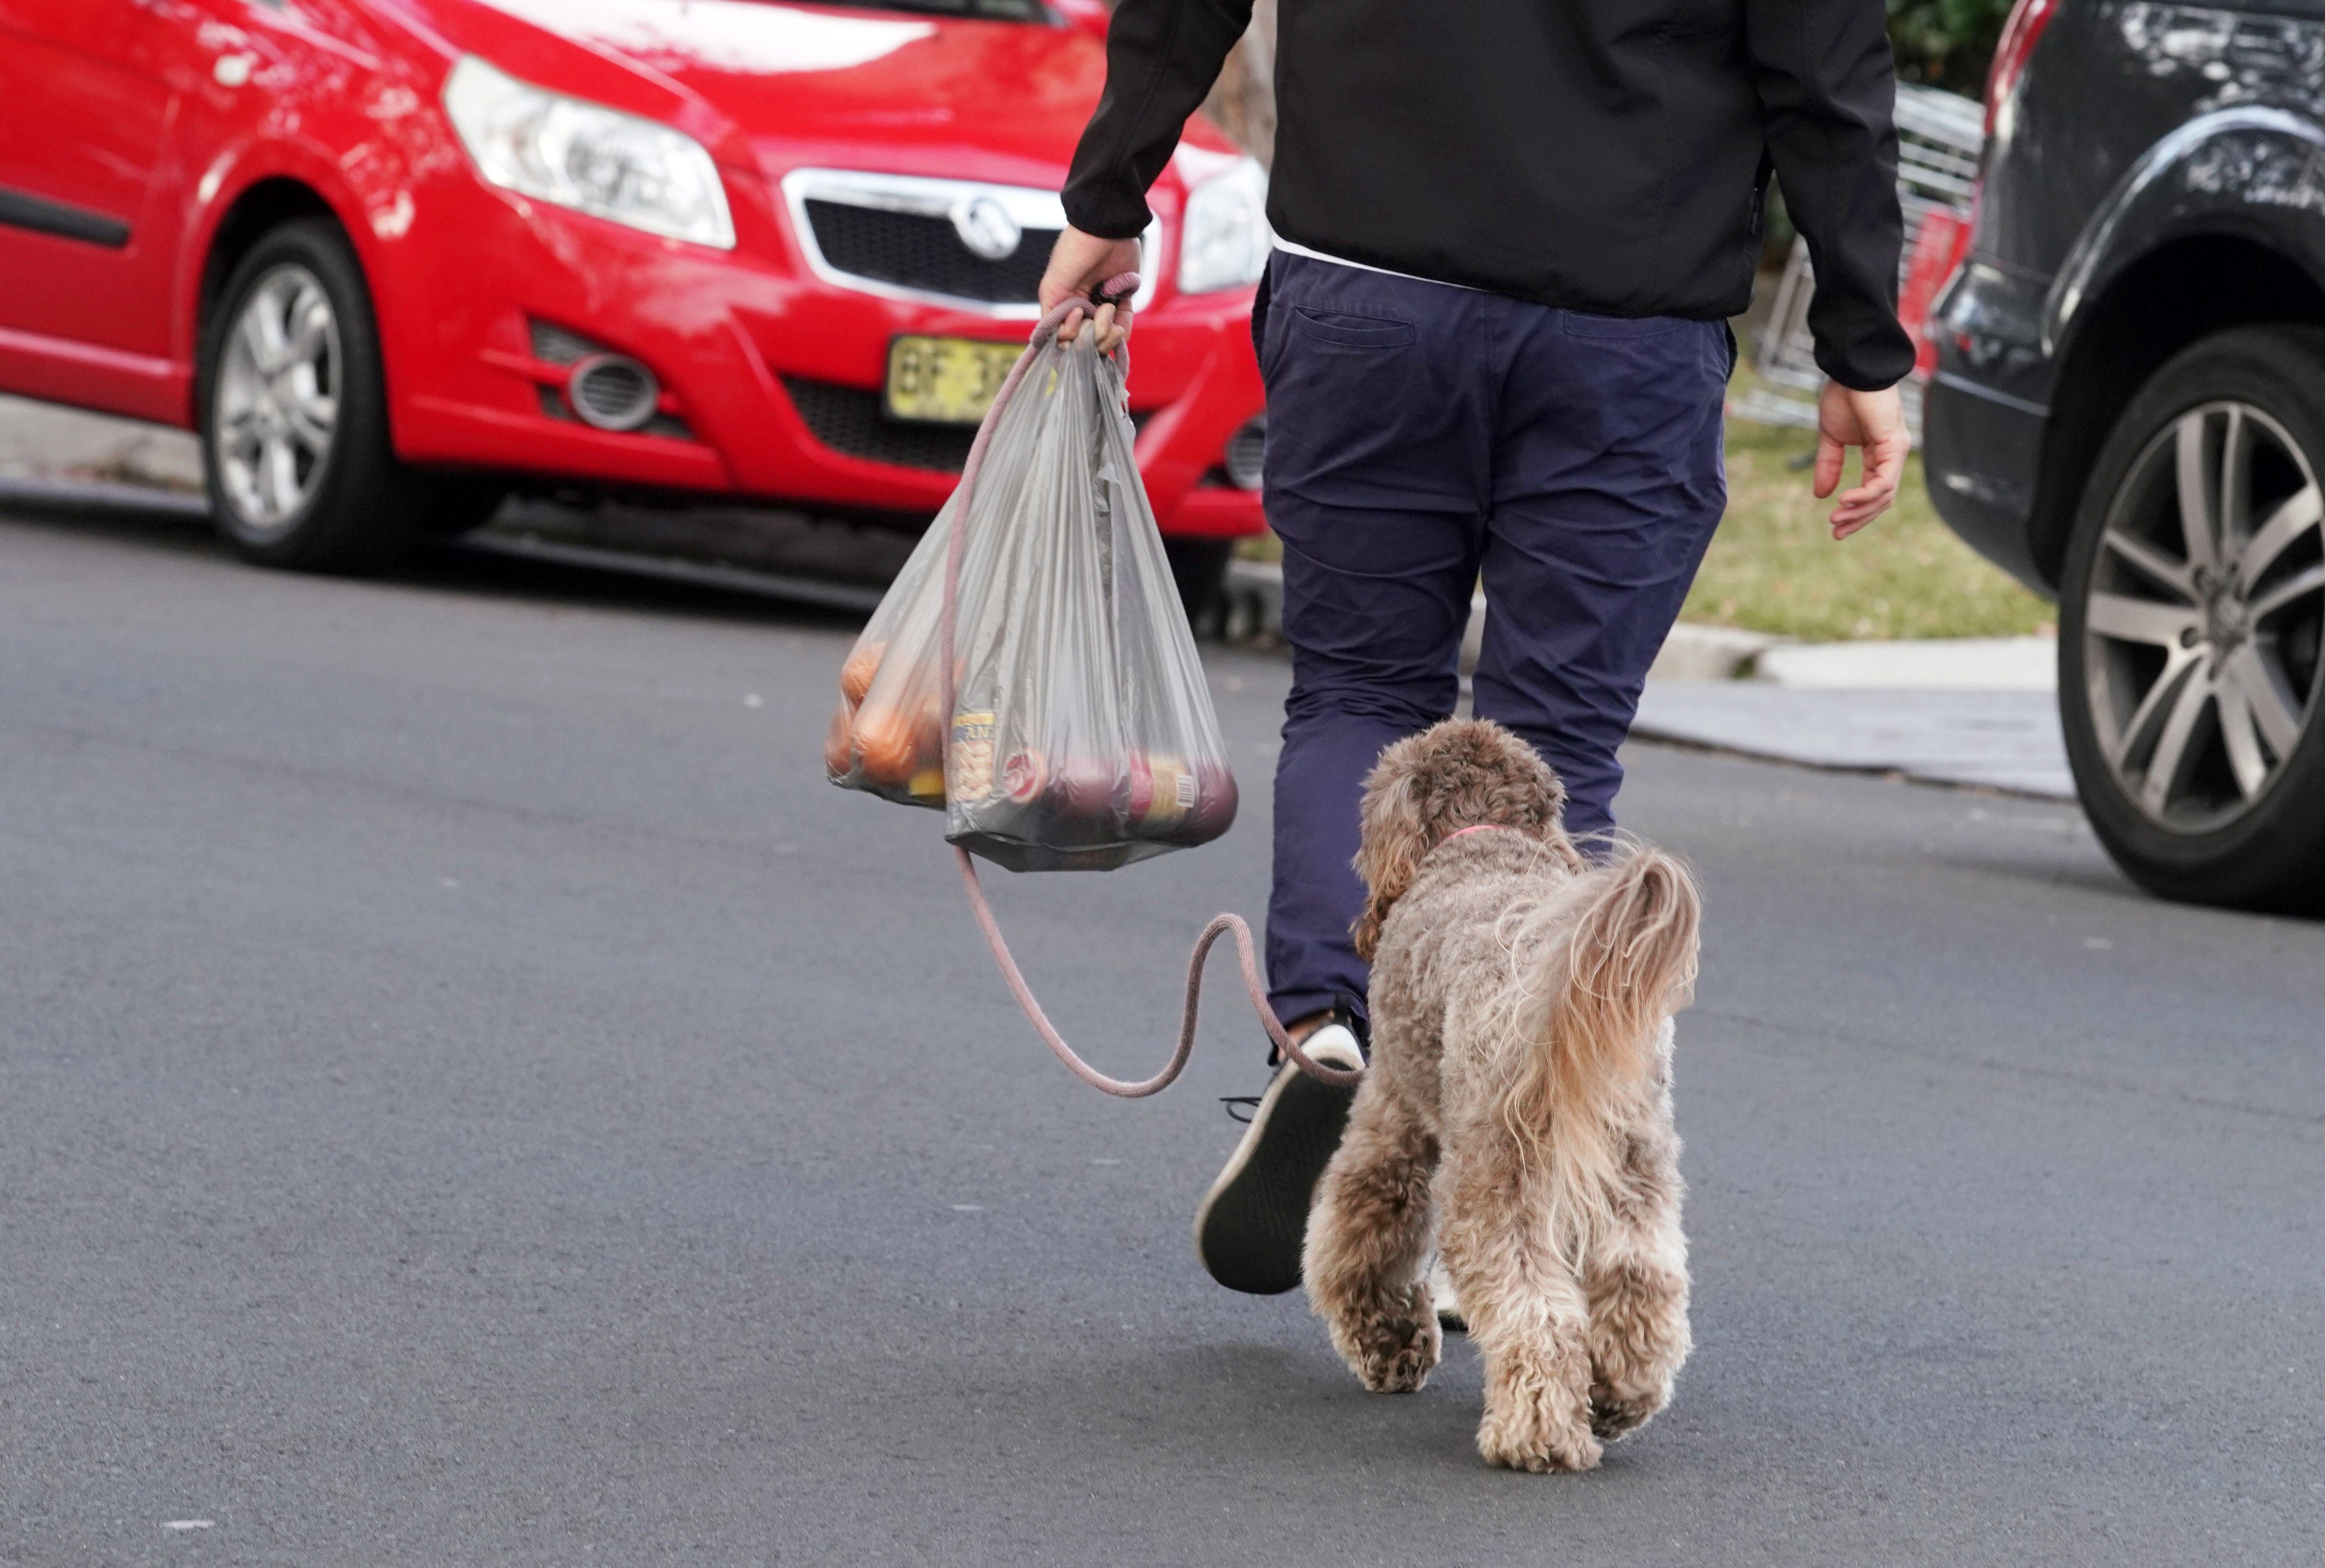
column 278, row 399
column 2201, row 620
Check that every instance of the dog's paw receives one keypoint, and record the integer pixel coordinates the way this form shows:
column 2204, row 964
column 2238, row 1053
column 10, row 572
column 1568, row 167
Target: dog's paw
column 1538, row 1408
column 1525, row 1440
column 1394, row 1355
column 1611, row 1418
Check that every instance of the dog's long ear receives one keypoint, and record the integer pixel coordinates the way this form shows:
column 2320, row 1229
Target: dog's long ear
column 1393, row 840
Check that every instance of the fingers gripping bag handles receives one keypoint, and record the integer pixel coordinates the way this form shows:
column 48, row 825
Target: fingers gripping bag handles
column 1079, row 734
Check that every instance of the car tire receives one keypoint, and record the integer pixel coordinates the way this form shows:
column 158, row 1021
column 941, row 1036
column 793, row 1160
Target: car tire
column 459, row 504
column 2189, row 668
column 293, row 411
column 1199, row 566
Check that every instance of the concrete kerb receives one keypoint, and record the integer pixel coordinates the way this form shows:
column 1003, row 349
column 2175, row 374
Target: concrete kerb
column 1965, row 712
column 50, row 442
column 1255, row 612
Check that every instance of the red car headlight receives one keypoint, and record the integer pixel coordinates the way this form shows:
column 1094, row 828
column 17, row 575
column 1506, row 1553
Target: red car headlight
column 1224, row 239
column 592, row 159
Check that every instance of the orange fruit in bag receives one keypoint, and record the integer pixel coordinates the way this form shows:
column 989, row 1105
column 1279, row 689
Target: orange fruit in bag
column 894, row 745
column 862, row 668
column 839, row 742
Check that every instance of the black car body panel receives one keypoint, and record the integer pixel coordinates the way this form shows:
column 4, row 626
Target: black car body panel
column 2157, row 174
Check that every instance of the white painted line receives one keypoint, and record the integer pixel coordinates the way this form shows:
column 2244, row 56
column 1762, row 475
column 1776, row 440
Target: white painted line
column 190, row 1524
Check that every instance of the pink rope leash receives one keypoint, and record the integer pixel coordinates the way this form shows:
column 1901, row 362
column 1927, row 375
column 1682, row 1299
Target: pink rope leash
column 1116, row 287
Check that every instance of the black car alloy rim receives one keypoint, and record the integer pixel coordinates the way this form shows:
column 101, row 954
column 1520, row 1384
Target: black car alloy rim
column 2201, row 620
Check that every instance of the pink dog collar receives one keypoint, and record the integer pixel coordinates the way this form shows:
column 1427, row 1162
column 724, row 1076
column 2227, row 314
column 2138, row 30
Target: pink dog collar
column 1476, row 827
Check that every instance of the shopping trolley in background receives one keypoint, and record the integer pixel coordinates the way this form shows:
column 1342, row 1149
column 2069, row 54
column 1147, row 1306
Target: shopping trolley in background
column 1939, row 137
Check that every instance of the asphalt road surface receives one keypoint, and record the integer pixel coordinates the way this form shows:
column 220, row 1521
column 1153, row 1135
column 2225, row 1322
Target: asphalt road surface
column 471, row 1093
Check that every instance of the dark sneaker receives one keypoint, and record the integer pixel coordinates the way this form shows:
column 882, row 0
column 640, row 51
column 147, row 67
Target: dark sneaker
column 1253, row 1220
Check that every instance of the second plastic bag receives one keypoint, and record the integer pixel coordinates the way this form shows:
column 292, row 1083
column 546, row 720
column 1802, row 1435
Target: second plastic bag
column 1082, row 732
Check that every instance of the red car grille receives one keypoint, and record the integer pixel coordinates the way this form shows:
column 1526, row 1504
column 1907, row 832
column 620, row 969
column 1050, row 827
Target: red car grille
column 850, row 419
column 917, row 251
column 853, row 420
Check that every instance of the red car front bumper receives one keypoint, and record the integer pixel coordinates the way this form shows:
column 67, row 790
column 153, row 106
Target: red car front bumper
column 771, row 376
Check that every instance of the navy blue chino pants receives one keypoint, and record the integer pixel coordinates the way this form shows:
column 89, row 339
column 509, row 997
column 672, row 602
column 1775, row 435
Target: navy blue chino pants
column 1420, row 436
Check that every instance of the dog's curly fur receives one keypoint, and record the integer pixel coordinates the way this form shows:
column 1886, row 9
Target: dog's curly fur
column 1518, row 1105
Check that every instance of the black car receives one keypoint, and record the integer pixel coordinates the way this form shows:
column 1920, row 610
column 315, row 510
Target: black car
column 2129, row 414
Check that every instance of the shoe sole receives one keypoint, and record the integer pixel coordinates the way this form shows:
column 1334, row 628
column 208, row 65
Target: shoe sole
column 1254, row 1221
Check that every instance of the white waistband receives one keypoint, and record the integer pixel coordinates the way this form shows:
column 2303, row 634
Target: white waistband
column 1286, row 246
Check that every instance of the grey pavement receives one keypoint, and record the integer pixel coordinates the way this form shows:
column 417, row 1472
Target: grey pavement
column 1994, row 739
column 1970, row 710
column 470, row 1094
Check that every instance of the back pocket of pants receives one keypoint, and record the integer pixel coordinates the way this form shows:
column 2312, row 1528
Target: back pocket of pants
column 1350, row 330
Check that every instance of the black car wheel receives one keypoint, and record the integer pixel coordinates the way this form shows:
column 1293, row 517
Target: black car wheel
column 2190, row 615
column 459, row 505
column 1199, row 566
column 293, row 410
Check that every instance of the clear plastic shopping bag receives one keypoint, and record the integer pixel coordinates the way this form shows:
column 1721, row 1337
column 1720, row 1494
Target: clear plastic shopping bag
column 1083, row 735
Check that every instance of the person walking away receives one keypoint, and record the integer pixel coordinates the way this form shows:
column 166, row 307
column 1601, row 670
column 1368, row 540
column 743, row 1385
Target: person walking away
column 1494, row 338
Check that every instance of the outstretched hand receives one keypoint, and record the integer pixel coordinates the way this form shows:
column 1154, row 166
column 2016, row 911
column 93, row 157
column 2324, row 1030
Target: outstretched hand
column 1079, row 264
column 1875, row 422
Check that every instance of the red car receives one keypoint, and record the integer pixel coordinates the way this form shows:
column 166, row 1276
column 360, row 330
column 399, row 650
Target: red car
column 392, row 258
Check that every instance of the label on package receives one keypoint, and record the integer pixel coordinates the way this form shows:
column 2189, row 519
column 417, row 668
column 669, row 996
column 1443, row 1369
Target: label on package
column 970, row 760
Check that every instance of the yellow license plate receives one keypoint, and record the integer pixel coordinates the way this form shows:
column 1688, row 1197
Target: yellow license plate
column 949, row 381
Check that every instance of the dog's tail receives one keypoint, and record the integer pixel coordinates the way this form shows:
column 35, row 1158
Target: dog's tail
column 1597, row 970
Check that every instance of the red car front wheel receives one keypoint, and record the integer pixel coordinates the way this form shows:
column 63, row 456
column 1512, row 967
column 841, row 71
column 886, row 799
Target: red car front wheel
column 294, row 412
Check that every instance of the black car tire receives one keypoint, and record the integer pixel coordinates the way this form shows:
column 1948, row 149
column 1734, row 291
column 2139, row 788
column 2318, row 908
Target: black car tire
column 352, row 507
column 1199, row 566
column 460, row 503
column 2219, row 838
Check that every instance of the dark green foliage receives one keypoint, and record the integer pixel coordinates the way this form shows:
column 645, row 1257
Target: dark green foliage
column 1776, row 235
column 1946, row 43
column 1938, row 43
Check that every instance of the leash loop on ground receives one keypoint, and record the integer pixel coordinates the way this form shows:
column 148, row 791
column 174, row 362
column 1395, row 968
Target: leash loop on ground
column 1120, row 287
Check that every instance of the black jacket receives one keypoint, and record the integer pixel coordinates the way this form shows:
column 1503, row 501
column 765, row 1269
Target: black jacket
column 1603, row 155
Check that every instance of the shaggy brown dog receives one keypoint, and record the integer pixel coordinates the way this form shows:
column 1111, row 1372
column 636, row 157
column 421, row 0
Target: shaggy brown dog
column 1520, row 1092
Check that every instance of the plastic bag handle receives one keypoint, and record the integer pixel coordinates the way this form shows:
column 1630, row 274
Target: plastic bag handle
column 1119, row 286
